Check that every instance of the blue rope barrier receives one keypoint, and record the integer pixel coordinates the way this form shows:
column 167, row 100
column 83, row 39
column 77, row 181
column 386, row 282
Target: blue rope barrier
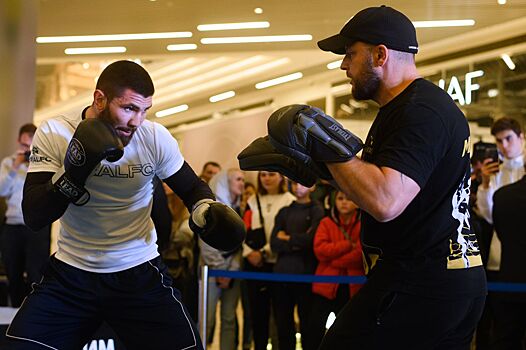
column 506, row 287
column 284, row 277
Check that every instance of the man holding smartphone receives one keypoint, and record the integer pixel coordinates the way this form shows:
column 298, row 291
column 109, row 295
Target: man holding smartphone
column 509, row 138
column 23, row 250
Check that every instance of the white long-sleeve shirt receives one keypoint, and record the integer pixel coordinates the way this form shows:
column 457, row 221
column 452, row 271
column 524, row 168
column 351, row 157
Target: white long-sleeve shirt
column 11, row 187
column 511, row 170
column 271, row 204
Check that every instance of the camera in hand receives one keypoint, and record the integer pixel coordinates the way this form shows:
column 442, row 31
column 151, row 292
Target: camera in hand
column 26, row 155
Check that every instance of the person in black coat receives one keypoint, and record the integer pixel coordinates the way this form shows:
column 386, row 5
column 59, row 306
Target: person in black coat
column 510, row 308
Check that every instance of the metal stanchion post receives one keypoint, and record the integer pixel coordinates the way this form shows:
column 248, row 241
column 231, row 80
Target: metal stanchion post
column 203, row 300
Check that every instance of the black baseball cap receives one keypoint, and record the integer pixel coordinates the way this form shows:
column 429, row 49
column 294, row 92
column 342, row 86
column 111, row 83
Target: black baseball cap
column 375, row 25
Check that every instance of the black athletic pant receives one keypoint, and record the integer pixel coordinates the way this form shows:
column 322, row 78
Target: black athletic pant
column 378, row 320
column 321, row 308
column 510, row 321
column 285, row 296
column 23, row 250
column 70, row 304
column 260, row 300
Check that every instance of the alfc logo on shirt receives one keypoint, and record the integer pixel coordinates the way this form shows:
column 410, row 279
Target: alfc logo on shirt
column 125, row 171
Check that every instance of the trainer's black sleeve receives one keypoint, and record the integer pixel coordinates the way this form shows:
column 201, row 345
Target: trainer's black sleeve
column 41, row 204
column 188, row 186
column 161, row 215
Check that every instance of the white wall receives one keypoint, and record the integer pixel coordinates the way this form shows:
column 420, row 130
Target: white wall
column 221, row 141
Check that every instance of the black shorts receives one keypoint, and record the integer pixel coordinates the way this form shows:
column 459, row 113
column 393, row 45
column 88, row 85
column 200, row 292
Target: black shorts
column 378, row 319
column 68, row 306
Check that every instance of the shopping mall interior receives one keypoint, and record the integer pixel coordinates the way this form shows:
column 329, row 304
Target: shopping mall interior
column 221, row 67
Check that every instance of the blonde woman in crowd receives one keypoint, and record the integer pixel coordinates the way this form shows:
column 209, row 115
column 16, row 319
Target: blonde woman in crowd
column 271, row 195
column 228, row 186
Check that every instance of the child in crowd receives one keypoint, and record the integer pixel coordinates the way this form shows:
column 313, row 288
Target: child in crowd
column 291, row 240
column 339, row 252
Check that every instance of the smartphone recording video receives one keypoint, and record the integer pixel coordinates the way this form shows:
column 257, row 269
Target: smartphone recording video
column 491, row 152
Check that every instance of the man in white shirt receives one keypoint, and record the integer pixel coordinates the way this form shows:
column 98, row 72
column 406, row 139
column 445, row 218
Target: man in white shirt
column 95, row 172
column 510, row 143
column 23, row 250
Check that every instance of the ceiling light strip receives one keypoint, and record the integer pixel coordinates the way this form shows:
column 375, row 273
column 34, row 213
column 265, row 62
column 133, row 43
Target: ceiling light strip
column 167, row 82
column 509, row 62
column 279, row 80
column 444, row 23
column 232, row 26
column 94, row 50
column 334, row 65
column 213, row 73
column 217, row 73
column 170, row 68
column 111, row 37
column 222, row 96
column 170, row 111
column 181, row 47
column 256, row 39
column 215, row 83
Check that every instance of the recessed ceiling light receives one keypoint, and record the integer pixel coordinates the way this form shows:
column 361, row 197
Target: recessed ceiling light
column 94, row 50
column 231, row 26
column 170, row 111
column 493, row 93
column 256, row 39
column 334, row 65
column 85, row 65
column 509, row 62
column 222, row 96
column 258, row 10
column 181, row 47
column 111, row 37
column 279, row 80
column 445, row 23
column 501, row 2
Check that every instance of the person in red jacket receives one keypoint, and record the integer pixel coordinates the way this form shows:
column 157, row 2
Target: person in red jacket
column 339, row 252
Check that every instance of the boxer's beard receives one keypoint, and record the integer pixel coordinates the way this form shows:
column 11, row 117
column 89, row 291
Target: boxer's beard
column 108, row 118
column 366, row 86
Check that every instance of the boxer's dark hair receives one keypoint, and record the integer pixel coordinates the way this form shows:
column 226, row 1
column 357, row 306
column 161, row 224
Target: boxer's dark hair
column 122, row 75
column 27, row 128
column 506, row 123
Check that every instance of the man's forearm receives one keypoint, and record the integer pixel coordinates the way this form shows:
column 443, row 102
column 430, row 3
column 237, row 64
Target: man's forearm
column 41, row 204
column 382, row 192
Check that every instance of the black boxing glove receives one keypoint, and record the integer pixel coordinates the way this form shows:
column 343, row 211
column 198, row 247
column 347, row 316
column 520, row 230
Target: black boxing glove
column 93, row 141
column 261, row 155
column 217, row 225
column 308, row 135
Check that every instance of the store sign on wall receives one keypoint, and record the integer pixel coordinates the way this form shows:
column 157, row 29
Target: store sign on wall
column 455, row 90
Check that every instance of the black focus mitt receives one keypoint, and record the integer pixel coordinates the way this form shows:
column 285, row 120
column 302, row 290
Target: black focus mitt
column 310, row 136
column 261, row 155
